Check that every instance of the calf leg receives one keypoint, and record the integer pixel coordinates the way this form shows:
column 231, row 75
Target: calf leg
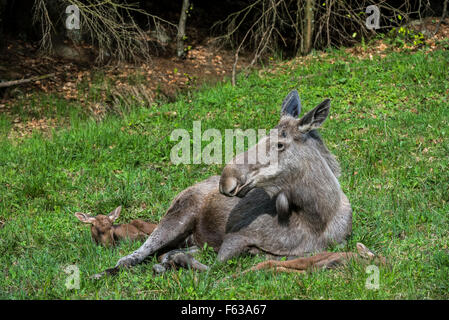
column 322, row 260
column 304, row 264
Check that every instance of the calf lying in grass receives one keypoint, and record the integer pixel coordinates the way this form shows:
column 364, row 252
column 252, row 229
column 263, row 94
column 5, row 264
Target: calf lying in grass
column 322, row 260
column 327, row 260
column 106, row 233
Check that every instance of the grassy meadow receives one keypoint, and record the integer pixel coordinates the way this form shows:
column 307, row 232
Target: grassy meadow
column 389, row 128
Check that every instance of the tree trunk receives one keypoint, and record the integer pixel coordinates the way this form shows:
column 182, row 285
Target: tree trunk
column 308, row 27
column 2, row 9
column 180, row 52
column 443, row 16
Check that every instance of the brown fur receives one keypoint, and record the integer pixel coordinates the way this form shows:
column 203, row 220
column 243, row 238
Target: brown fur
column 106, row 233
column 322, row 260
column 328, row 260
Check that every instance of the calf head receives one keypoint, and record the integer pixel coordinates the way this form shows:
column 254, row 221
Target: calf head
column 101, row 225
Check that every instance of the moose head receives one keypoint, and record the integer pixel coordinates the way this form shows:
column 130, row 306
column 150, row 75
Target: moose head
column 303, row 165
column 101, row 225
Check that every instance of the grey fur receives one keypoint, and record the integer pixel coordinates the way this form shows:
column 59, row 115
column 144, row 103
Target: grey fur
column 291, row 104
column 289, row 210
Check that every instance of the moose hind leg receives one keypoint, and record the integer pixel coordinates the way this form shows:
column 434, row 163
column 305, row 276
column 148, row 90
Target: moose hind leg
column 233, row 245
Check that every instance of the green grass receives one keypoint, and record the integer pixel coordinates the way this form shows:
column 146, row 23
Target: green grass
column 389, row 128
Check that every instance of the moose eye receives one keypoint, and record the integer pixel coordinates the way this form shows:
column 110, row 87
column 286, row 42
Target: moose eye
column 280, row 146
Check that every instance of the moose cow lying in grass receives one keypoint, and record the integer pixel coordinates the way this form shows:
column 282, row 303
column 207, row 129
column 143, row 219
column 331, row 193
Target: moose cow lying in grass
column 289, row 207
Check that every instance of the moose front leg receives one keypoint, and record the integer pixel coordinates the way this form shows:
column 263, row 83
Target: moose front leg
column 156, row 241
column 173, row 229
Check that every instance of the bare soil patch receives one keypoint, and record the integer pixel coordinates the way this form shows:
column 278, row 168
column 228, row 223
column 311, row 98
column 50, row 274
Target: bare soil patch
column 161, row 78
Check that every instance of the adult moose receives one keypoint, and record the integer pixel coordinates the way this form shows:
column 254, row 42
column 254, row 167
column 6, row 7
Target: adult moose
column 289, row 207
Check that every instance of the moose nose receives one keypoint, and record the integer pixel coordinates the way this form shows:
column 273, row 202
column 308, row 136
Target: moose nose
column 228, row 186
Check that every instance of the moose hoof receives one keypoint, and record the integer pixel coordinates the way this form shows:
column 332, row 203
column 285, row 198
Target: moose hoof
column 127, row 261
column 110, row 272
column 97, row 276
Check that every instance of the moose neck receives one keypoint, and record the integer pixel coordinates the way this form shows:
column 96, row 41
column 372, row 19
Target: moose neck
column 315, row 191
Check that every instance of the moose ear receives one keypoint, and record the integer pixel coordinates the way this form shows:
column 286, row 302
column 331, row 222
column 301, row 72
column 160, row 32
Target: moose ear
column 113, row 215
column 315, row 117
column 291, row 104
column 84, row 217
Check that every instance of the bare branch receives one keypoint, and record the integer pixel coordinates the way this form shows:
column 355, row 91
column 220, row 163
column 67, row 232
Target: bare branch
column 22, row 81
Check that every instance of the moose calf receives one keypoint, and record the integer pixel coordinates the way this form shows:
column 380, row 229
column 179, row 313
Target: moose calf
column 106, row 233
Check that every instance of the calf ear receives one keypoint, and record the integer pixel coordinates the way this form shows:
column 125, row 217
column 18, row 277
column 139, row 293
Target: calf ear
column 83, row 217
column 113, row 215
column 291, row 104
column 315, row 117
